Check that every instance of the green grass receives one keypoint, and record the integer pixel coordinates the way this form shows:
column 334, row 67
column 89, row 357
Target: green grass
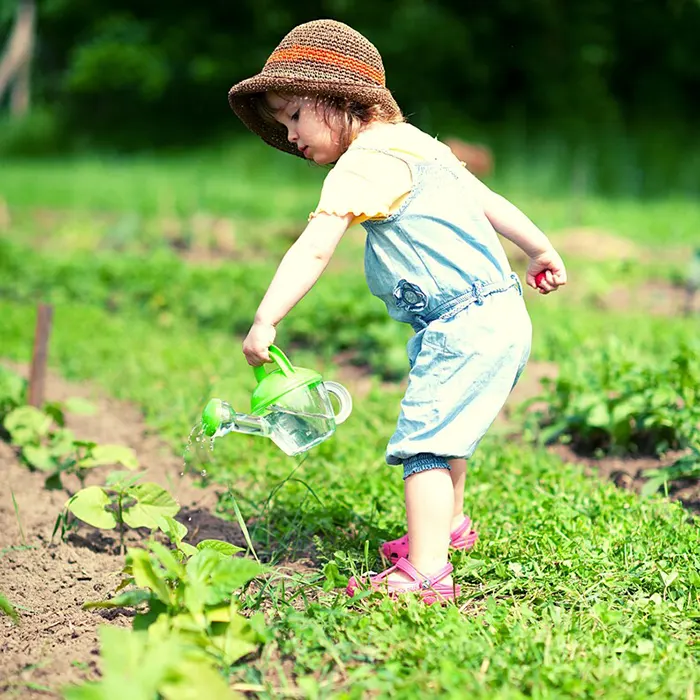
column 252, row 183
column 575, row 589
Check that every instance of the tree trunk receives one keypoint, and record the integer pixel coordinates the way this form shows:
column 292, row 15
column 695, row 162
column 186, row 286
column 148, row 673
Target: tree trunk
column 15, row 66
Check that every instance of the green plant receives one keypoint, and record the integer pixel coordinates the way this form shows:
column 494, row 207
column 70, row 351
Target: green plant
column 138, row 666
column 9, row 610
column 187, row 594
column 47, row 445
column 687, row 467
column 13, row 391
column 611, row 400
column 121, row 501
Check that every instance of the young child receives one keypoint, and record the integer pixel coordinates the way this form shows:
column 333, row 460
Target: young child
column 432, row 255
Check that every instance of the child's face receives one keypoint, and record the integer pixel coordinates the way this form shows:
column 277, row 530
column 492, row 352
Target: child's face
column 306, row 127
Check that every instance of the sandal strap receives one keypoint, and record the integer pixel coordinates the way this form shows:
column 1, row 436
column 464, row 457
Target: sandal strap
column 461, row 529
column 426, row 582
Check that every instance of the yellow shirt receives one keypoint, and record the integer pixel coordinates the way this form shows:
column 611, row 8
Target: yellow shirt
column 373, row 185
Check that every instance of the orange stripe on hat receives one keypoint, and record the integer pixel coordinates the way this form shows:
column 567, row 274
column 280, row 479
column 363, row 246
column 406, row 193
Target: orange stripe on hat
column 304, row 53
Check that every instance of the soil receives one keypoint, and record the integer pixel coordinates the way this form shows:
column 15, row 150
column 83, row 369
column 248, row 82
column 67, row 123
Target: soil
column 56, row 642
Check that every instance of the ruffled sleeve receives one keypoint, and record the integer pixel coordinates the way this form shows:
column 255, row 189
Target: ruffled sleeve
column 364, row 183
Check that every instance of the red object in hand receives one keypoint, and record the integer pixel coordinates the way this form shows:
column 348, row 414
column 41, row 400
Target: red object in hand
column 539, row 277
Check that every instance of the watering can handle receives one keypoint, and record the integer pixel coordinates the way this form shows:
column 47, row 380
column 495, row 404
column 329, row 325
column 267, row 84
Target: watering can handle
column 282, row 362
column 343, row 396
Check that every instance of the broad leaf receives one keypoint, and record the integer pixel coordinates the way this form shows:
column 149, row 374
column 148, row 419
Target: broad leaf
column 102, row 455
column 152, row 503
column 172, row 528
column 129, row 599
column 89, row 505
column 39, row 457
column 195, row 679
column 146, row 576
column 27, row 425
column 220, row 546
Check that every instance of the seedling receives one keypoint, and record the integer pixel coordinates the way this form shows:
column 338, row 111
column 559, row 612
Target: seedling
column 47, row 445
column 136, row 666
column 120, row 502
column 188, row 594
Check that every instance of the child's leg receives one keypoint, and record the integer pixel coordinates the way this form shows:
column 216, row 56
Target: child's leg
column 429, row 499
column 458, row 471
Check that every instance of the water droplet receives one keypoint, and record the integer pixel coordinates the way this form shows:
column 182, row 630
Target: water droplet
column 182, row 474
column 189, row 520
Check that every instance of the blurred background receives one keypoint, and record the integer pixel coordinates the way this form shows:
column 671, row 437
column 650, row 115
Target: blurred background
column 603, row 93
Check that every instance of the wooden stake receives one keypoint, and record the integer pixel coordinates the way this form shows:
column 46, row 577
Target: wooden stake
column 41, row 343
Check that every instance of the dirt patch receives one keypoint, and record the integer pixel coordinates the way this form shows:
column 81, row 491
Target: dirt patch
column 597, row 245
column 628, row 473
column 56, row 641
column 656, row 297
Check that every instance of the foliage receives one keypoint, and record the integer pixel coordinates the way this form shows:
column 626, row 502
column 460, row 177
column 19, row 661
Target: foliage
column 612, row 400
column 686, row 467
column 139, row 79
column 47, row 445
column 13, row 392
column 121, row 501
column 140, row 667
column 187, row 594
column 8, row 609
column 343, row 316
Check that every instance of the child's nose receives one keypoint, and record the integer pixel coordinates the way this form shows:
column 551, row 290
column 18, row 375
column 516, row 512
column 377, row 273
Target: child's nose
column 292, row 135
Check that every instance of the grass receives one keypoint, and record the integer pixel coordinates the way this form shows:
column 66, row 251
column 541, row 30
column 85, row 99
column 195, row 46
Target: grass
column 575, row 589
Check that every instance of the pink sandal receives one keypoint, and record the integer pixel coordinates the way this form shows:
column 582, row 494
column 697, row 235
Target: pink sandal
column 461, row 538
column 430, row 588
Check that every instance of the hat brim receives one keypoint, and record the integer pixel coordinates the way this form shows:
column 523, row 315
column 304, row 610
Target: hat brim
column 242, row 98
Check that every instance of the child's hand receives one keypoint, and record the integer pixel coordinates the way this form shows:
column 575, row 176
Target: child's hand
column 257, row 343
column 546, row 272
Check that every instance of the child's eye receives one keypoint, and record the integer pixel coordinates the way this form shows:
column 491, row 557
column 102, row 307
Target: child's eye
column 295, row 116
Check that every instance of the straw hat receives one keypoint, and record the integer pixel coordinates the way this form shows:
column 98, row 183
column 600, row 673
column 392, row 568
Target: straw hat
column 323, row 57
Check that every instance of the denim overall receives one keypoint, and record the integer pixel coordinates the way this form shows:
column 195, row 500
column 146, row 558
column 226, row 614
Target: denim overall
column 438, row 265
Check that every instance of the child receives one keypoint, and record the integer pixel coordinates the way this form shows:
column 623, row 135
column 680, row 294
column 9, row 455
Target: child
column 432, row 255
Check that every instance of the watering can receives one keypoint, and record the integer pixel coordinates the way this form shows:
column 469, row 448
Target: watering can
column 290, row 405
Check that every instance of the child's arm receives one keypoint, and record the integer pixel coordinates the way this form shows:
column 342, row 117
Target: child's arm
column 512, row 224
column 296, row 275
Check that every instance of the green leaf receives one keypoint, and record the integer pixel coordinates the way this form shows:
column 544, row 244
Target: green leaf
column 27, row 425
column 172, row 528
column 102, row 455
column 80, row 406
column 121, row 481
column 89, row 505
column 62, row 442
column 240, row 638
column 145, row 574
column 599, row 416
column 195, row 679
column 220, row 546
column 167, row 560
column 187, row 549
column 8, row 609
column 653, row 485
column 152, row 503
column 39, row 457
column 53, row 482
column 129, row 599
column 220, row 574
column 128, row 659
column 55, row 410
